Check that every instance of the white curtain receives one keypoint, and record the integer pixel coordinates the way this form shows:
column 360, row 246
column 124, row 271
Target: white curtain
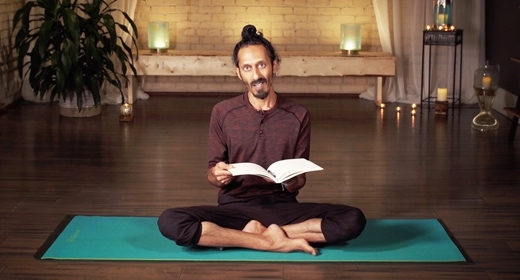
column 400, row 25
column 112, row 94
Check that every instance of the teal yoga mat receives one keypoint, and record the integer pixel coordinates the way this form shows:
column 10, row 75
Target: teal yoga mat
column 137, row 238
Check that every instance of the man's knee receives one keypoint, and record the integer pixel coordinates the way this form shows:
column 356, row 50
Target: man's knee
column 178, row 225
column 357, row 223
column 347, row 224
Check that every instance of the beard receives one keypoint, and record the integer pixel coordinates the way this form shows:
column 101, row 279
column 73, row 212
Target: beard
column 260, row 94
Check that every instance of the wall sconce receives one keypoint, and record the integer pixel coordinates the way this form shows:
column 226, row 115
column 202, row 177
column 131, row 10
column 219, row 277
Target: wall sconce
column 158, row 36
column 350, row 38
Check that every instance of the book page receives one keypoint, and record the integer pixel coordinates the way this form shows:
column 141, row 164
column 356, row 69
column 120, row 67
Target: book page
column 278, row 172
column 286, row 169
column 249, row 168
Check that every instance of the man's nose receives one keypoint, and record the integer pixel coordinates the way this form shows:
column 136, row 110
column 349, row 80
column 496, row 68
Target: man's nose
column 256, row 73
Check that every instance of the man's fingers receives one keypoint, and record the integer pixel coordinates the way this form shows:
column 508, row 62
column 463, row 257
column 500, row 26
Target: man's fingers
column 223, row 166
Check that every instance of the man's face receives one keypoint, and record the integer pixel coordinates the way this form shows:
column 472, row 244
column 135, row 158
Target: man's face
column 256, row 70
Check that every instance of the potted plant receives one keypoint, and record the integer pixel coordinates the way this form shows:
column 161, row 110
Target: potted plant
column 73, row 48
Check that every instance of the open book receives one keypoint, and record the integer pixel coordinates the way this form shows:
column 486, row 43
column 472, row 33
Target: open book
column 278, row 172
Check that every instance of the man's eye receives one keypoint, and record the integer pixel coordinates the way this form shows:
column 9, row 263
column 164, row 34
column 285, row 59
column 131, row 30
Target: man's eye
column 261, row 65
column 247, row 68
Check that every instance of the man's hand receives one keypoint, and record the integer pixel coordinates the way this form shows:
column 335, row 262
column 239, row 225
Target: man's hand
column 295, row 183
column 219, row 175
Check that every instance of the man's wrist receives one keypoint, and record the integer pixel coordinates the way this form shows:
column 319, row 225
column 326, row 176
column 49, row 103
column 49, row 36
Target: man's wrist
column 289, row 182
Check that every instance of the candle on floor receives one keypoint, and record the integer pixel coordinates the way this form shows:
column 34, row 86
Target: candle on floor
column 126, row 113
column 442, row 94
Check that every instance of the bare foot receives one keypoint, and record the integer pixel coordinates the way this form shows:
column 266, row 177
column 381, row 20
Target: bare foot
column 254, row 226
column 281, row 243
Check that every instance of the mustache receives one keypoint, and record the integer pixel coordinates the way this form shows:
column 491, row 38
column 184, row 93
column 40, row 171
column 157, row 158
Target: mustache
column 260, row 80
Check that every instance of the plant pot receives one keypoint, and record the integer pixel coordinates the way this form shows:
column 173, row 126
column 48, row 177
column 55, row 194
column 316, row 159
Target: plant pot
column 69, row 106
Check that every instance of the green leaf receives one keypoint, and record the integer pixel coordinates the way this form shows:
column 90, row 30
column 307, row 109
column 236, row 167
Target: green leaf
column 71, row 22
column 72, row 52
column 43, row 40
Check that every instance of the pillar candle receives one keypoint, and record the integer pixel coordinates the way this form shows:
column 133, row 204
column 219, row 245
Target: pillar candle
column 442, row 19
column 486, row 82
column 442, row 94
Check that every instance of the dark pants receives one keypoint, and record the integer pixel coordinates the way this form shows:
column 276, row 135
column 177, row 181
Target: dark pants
column 183, row 224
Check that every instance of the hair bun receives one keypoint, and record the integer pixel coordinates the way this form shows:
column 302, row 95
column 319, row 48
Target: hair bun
column 249, row 31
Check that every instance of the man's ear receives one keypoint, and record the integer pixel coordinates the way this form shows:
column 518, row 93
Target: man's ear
column 238, row 74
column 276, row 67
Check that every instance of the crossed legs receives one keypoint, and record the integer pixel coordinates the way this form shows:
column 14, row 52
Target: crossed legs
column 282, row 227
column 256, row 236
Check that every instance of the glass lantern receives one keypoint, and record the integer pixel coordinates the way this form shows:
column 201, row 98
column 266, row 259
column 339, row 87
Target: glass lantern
column 350, row 38
column 485, row 83
column 158, row 36
column 442, row 15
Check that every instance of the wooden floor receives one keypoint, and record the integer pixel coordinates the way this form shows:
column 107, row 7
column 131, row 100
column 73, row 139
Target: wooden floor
column 390, row 165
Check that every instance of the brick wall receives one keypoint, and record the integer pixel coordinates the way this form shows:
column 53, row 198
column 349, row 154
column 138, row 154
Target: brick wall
column 9, row 82
column 299, row 25
column 291, row 25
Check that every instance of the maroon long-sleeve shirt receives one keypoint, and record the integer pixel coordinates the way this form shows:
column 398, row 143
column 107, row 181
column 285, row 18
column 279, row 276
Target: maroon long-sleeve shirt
column 240, row 133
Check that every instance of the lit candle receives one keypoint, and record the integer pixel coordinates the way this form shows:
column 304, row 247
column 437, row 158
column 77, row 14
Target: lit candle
column 452, row 27
column 486, row 82
column 413, row 112
column 428, row 27
column 158, row 35
column 126, row 109
column 382, row 105
column 398, row 109
column 414, row 105
column 350, row 44
column 442, row 19
column 442, row 94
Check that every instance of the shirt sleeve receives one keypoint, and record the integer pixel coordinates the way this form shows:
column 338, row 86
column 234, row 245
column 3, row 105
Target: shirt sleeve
column 304, row 138
column 217, row 148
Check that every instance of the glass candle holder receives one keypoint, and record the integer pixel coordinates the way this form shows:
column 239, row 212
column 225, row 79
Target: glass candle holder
column 485, row 84
column 442, row 14
column 158, row 36
column 350, row 42
column 126, row 110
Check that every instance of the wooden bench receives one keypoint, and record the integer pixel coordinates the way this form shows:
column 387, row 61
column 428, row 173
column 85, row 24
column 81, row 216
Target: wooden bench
column 301, row 64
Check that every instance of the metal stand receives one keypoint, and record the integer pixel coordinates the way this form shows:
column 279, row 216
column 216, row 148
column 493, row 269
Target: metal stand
column 442, row 38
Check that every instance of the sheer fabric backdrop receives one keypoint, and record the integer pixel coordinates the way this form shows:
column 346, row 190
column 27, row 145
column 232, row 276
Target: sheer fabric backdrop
column 400, row 25
column 112, row 94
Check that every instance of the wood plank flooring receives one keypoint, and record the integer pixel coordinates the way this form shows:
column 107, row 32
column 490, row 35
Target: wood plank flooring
column 388, row 164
